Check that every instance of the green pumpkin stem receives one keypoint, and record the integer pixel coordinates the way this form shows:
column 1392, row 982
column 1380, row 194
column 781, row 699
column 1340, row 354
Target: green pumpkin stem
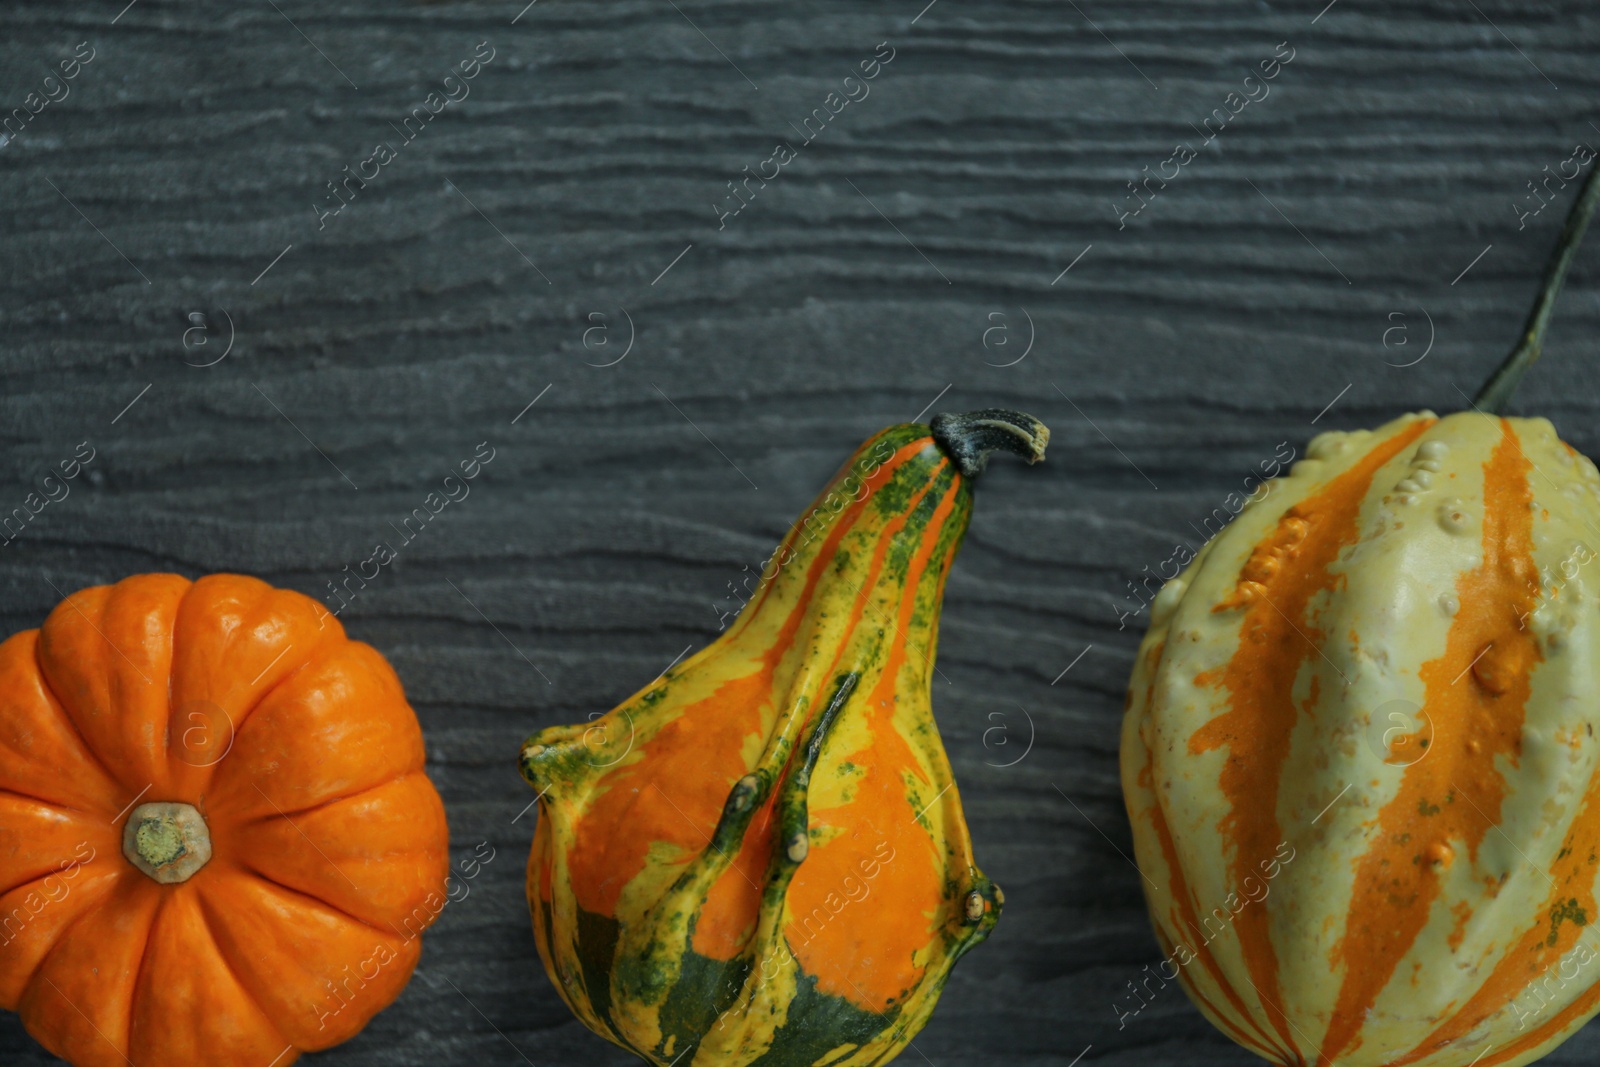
column 1503, row 382
column 168, row 841
column 969, row 438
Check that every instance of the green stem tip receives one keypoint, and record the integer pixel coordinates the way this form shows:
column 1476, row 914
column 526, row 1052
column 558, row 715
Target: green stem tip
column 168, row 841
column 1503, row 382
column 969, row 437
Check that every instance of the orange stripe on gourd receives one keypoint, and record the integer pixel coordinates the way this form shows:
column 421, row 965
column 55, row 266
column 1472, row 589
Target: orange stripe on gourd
column 1545, row 942
column 875, row 570
column 1276, row 585
column 1476, row 692
column 1233, row 1029
column 728, row 918
column 1555, row 1025
column 702, row 753
column 1184, row 914
column 698, row 755
column 866, row 964
column 872, row 483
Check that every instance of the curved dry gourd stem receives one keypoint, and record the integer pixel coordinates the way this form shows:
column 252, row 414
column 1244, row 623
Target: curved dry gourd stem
column 1503, row 382
column 971, row 436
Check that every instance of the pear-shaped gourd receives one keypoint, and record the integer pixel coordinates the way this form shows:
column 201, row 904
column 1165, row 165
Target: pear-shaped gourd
column 761, row 856
column 1360, row 755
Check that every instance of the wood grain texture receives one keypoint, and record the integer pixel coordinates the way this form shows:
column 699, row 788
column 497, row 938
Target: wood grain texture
column 855, row 288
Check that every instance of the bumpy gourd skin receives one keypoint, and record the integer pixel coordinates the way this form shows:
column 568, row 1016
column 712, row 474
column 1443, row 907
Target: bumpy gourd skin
column 1359, row 755
column 761, row 857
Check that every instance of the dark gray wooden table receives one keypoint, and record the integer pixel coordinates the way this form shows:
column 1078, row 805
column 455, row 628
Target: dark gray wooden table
column 1349, row 246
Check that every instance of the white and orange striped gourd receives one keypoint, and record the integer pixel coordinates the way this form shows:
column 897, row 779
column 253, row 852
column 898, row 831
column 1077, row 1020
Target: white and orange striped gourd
column 1360, row 755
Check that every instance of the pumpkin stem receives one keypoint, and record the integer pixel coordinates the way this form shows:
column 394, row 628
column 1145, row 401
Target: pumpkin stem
column 169, row 842
column 1503, row 382
column 968, row 438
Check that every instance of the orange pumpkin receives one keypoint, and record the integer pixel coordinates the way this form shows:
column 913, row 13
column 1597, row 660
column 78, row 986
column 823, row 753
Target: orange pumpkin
column 217, row 842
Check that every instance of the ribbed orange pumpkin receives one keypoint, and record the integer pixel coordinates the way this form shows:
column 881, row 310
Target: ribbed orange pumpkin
column 1359, row 755
column 217, row 842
